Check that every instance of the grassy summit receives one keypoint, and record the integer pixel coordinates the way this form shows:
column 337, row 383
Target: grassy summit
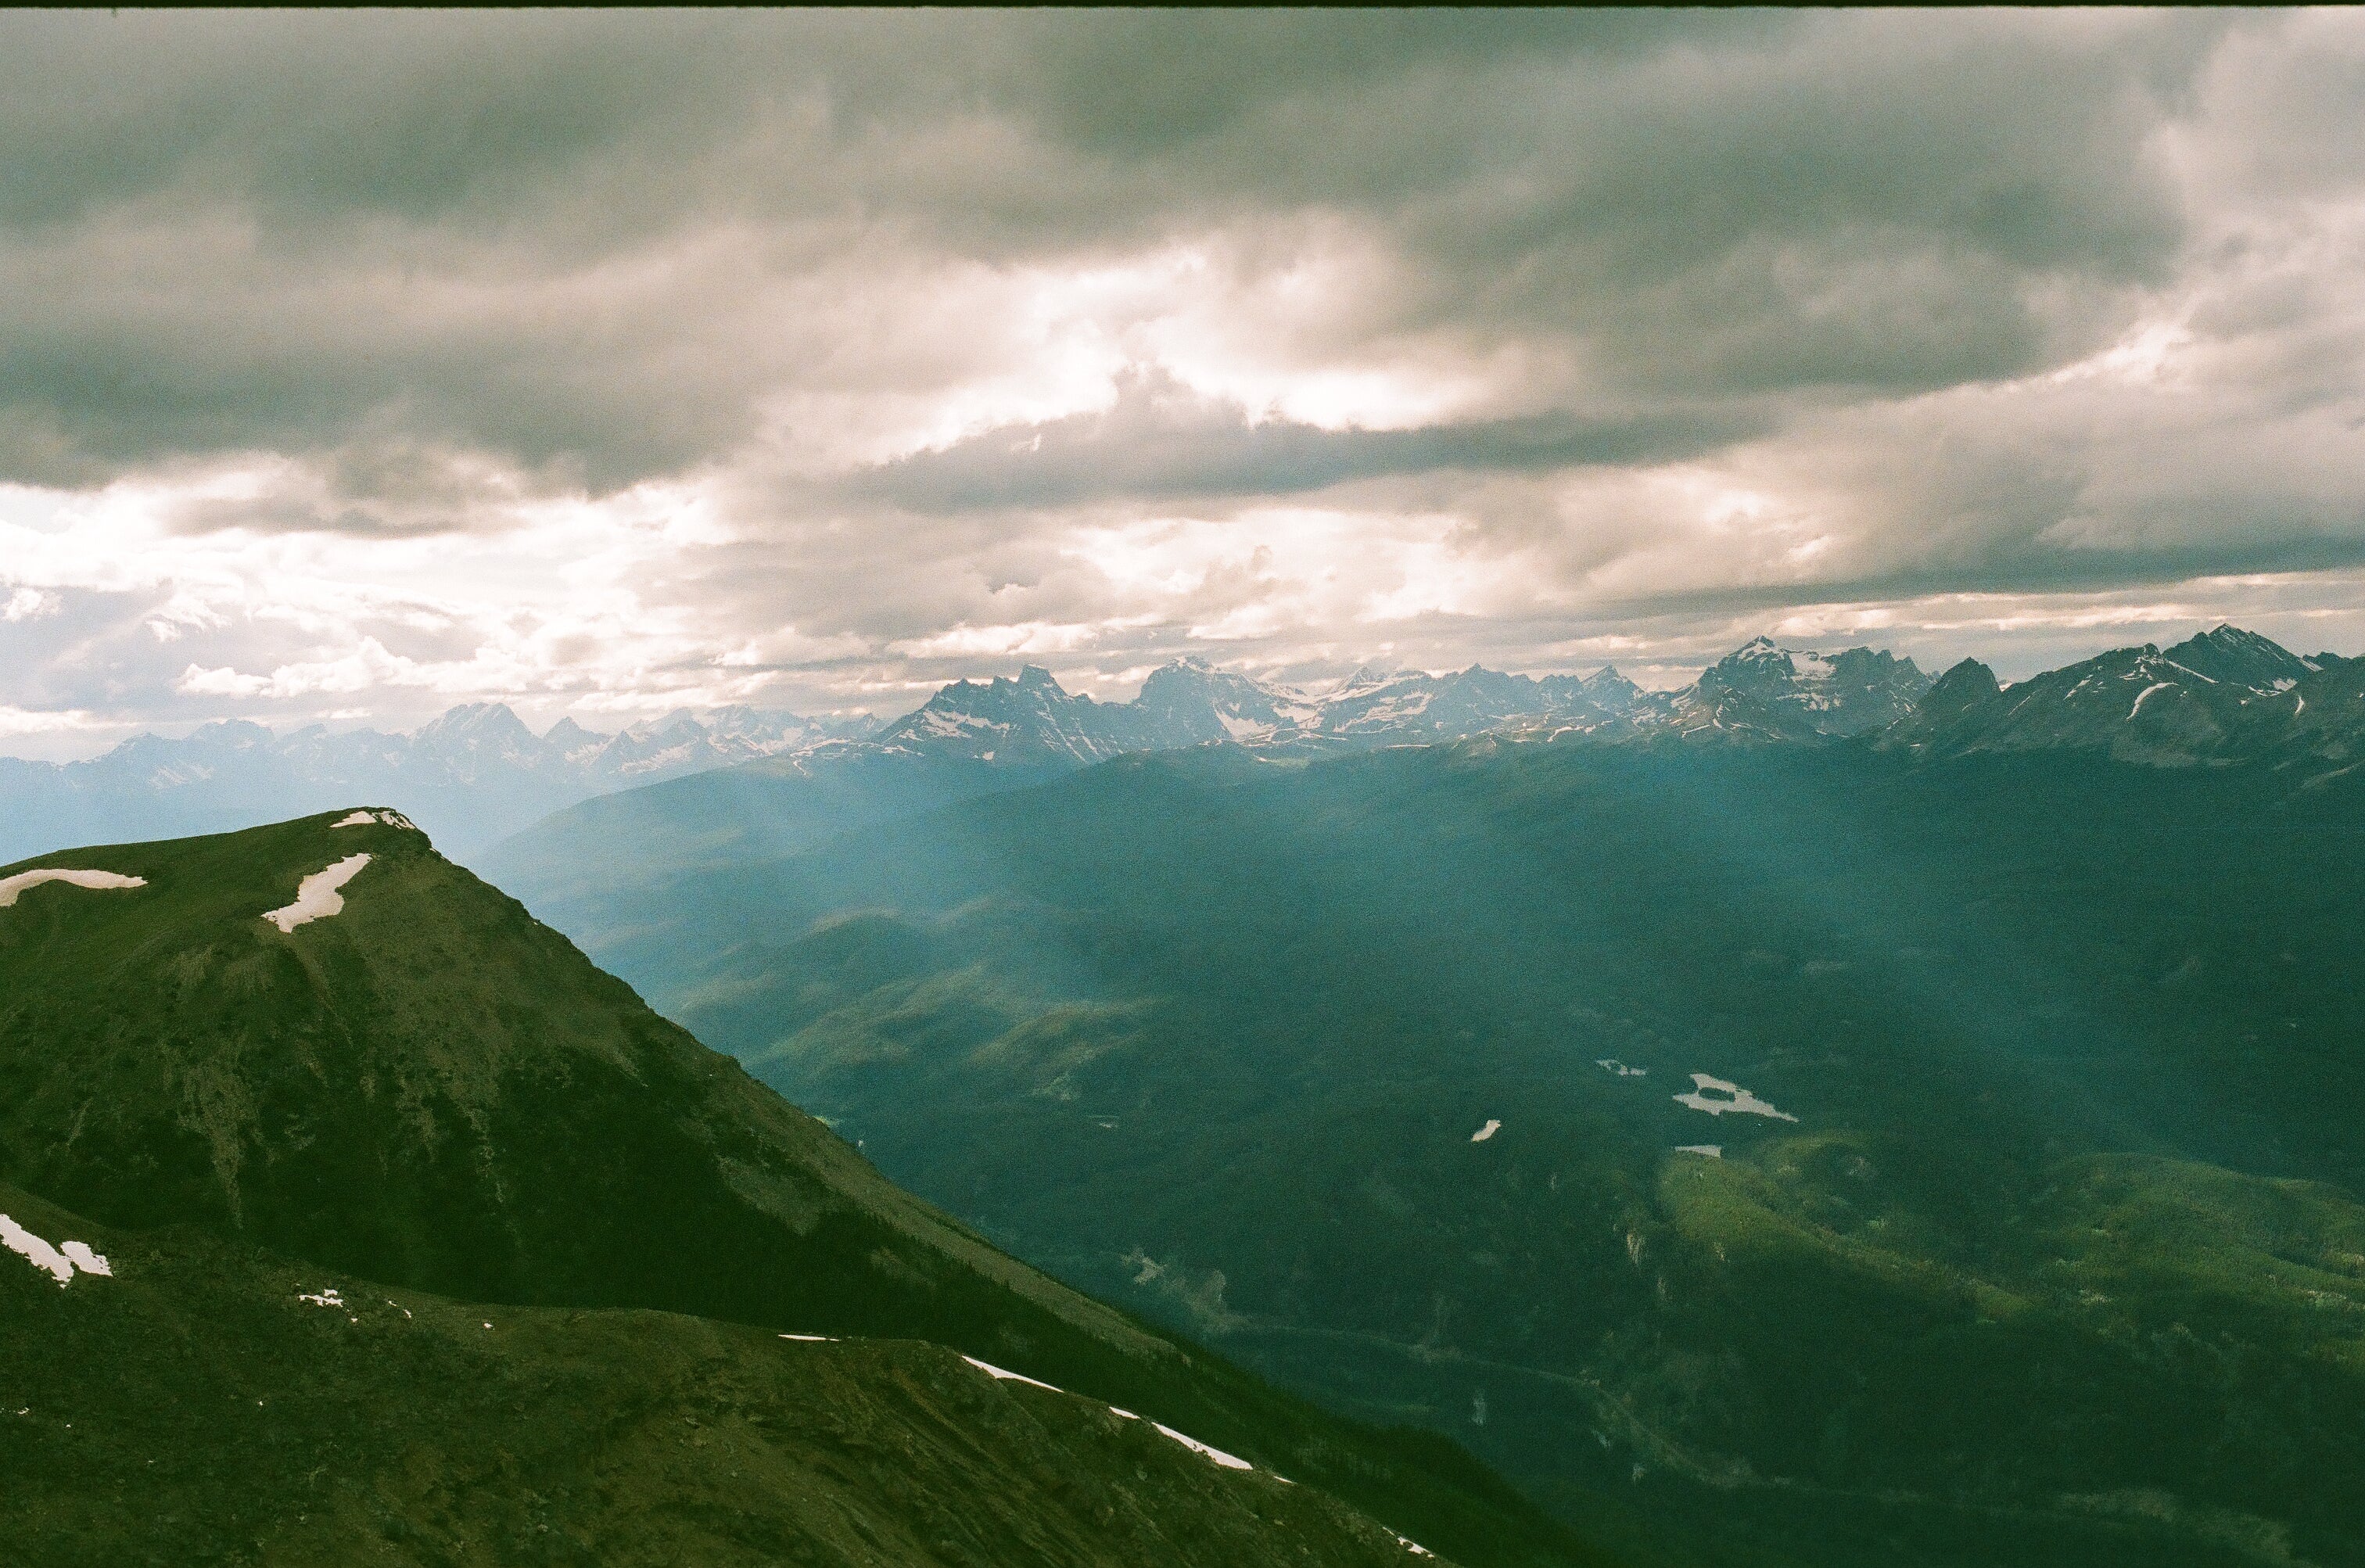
column 429, row 1089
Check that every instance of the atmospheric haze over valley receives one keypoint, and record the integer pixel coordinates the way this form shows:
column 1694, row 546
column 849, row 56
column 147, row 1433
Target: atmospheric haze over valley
column 952, row 789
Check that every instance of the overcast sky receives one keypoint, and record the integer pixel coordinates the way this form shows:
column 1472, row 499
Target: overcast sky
column 352, row 367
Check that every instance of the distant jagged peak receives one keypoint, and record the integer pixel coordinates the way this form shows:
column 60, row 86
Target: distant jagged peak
column 669, row 723
column 2230, row 653
column 474, row 722
column 238, row 734
column 738, row 721
column 1193, row 673
column 964, row 693
column 1968, row 687
column 1967, row 677
column 567, row 735
column 1762, row 664
column 1605, row 688
column 1763, row 653
column 1764, row 688
column 1189, row 670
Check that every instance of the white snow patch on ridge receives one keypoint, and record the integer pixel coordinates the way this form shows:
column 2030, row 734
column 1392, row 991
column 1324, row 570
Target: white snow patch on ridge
column 1709, row 1150
column 999, row 1375
column 363, row 819
column 11, row 886
column 1229, row 1461
column 1003, row 1374
column 1617, row 1069
column 1490, row 1130
column 1704, row 1093
column 60, row 1261
column 317, row 897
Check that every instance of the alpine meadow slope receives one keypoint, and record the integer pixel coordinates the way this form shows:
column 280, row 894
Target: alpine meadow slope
column 415, row 1090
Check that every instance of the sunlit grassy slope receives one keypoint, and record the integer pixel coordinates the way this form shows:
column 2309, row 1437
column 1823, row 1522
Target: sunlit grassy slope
column 2057, row 1263
column 429, row 1089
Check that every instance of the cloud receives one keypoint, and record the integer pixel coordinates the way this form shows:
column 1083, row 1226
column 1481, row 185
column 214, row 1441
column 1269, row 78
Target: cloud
column 580, row 243
column 28, row 602
column 1160, row 440
column 381, row 360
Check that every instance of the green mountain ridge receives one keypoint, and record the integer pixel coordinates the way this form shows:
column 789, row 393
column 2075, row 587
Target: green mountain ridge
column 428, row 1088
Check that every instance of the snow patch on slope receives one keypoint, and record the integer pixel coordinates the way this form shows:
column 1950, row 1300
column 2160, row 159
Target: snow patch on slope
column 1716, row 1096
column 58, row 1262
column 11, row 886
column 317, row 897
column 1001, row 1375
column 1229, row 1461
column 363, row 819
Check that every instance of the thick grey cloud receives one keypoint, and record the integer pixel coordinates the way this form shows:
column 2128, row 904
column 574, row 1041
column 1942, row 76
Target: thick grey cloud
column 1161, row 440
column 289, row 229
column 810, row 357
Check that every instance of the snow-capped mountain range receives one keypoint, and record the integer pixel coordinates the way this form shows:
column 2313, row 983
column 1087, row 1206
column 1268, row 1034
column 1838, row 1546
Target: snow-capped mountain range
column 1033, row 720
column 2227, row 695
column 478, row 772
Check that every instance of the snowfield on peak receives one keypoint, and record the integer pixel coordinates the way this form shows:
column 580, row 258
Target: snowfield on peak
column 11, row 886
column 317, row 897
column 364, row 818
